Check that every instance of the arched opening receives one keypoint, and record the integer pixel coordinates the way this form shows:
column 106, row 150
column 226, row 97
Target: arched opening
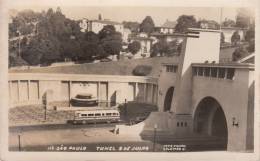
column 210, row 121
column 168, row 99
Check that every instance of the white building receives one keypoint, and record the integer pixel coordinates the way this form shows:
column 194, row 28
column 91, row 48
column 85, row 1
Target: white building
column 229, row 31
column 97, row 25
column 146, row 44
column 167, row 28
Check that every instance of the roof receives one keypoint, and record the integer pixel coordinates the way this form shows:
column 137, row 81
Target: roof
column 233, row 28
column 225, row 65
column 169, row 24
column 173, row 34
column 108, row 22
column 202, row 30
column 141, row 38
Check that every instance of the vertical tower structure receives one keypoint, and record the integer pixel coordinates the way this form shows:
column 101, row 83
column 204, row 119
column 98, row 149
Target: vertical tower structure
column 199, row 46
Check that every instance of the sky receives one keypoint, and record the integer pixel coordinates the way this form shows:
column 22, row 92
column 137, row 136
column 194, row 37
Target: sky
column 158, row 14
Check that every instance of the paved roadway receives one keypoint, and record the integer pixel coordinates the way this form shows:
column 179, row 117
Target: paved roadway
column 88, row 138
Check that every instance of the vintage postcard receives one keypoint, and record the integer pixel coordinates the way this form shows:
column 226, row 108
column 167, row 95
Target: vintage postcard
column 124, row 78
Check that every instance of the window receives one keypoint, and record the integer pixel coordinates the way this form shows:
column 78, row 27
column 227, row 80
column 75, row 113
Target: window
column 171, row 68
column 207, row 72
column 109, row 114
column 230, row 73
column 91, row 114
column 200, row 73
column 84, row 115
column 221, row 72
column 115, row 114
column 97, row 114
column 145, row 49
column 178, row 124
column 194, row 71
column 185, row 124
column 214, row 72
column 181, row 124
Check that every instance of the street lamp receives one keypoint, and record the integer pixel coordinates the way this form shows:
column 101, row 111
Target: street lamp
column 154, row 136
column 19, row 44
column 19, row 140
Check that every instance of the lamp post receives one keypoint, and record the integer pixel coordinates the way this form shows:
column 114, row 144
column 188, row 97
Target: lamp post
column 19, row 44
column 19, row 140
column 154, row 136
column 125, row 108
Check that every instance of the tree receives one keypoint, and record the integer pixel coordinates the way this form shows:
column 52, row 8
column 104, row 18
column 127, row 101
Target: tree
column 184, row 22
column 239, row 53
column 112, row 47
column 92, row 50
column 41, row 51
column 228, row 23
column 222, row 38
column 160, row 48
column 250, row 34
column 110, row 40
column 91, row 37
column 133, row 26
column 106, row 31
column 251, row 46
column 235, row 38
column 147, row 25
column 70, row 48
column 243, row 17
column 134, row 47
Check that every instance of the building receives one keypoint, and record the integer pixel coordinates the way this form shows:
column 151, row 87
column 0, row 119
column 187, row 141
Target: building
column 97, row 25
column 31, row 88
column 229, row 31
column 167, row 28
column 208, row 24
column 200, row 100
column 146, row 44
column 125, row 34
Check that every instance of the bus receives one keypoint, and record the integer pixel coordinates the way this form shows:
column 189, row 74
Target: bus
column 95, row 116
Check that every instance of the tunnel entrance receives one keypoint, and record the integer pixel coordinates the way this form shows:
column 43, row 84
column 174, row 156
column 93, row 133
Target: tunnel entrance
column 168, row 99
column 210, row 120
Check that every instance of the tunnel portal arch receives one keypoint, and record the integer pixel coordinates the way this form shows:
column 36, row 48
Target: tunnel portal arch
column 210, row 120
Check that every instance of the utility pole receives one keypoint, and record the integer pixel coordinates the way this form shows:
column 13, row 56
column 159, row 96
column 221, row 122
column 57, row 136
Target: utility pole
column 220, row 23
column 154, row 136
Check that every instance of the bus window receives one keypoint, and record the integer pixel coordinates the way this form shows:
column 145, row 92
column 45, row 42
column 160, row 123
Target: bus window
column 84, row 115
column 97, row 114
column 115, row 114
column 103, row 114
column 108, row 114
column 91, row 114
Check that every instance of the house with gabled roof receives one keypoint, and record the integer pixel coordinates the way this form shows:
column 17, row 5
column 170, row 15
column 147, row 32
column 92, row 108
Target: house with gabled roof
column 167, row 28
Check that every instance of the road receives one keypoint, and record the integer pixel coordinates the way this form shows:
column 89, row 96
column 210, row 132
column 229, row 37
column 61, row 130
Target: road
column 53, row 137
column 90, row 138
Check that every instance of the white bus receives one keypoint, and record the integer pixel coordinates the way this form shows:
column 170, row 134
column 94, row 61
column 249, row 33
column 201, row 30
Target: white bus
column 95, row 116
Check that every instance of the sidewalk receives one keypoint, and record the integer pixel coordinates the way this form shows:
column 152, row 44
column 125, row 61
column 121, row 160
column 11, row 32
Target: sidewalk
column 35, row 115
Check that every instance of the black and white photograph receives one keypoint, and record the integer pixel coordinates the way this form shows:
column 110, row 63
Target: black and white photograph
column 153, row 79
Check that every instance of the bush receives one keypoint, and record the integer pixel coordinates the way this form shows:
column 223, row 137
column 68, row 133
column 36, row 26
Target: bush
column 239, row 53
column 142, row 70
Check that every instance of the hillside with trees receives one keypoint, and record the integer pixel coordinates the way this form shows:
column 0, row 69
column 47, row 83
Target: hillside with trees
column 55, row 38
